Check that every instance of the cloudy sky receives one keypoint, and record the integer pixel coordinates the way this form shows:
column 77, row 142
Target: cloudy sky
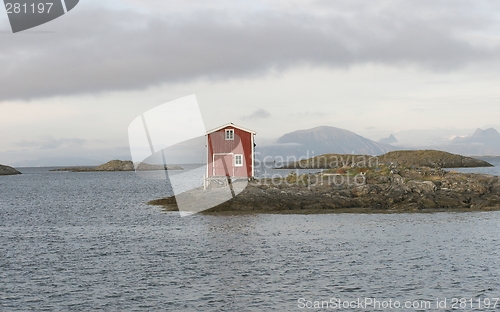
column 71, row 87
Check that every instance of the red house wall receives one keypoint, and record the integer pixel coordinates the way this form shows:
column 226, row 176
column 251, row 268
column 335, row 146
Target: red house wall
column 242, row 144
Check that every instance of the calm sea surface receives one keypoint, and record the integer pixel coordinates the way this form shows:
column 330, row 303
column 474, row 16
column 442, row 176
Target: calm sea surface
column 487, row 170
column 85, row 241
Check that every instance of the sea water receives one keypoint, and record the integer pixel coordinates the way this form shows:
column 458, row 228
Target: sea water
column 84, row 241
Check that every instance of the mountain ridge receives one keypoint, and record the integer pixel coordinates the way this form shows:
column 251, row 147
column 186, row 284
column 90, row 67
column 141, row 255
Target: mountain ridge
column 389, row 140
column 322, row 140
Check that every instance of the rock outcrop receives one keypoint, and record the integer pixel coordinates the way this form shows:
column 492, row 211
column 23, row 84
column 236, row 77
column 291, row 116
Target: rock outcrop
column 432, row 159
column 384, row 189
column 6, row 170
column 410, row 159
column 119, row 165
column 116, row 165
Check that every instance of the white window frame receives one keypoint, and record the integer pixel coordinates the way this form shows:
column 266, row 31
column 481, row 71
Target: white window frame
column 236, row 164
column 229, row 134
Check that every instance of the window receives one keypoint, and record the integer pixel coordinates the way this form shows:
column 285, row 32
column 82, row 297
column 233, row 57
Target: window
column 230, row 134
column 238, row 160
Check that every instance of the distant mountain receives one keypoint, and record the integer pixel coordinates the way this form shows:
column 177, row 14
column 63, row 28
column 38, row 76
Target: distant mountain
column 489, row 133
column 488, row 137
column 481, row 142
column 323, row 140
column 389, row 140
column 418, row 138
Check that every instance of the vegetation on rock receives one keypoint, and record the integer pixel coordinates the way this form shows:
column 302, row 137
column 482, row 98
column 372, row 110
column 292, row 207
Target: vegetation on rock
column 432, row 159
column 416, row 158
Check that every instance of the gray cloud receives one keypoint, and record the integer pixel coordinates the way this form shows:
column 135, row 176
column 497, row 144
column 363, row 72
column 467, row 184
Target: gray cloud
column 97, row 50
column 48, row 142
column 258, row 114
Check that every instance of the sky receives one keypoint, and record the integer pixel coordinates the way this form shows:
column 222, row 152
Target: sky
column 71, row 87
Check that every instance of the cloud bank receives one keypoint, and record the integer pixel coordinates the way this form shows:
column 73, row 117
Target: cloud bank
column 99, row 49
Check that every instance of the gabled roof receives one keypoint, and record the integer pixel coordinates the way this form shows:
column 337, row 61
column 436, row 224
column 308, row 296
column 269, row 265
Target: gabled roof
column 230, row 125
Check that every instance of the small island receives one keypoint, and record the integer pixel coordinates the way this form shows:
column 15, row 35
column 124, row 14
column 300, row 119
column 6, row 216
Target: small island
column 119, row 165
column 407, row 158
column 405, row 181
column 6, row 170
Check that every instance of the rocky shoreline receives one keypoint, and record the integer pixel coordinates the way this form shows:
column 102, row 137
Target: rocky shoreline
column 385, row 189
column 6, row 170
column 418, row 190
column 118, row 165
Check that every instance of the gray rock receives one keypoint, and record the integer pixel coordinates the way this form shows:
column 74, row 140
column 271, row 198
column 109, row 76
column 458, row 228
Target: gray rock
column 421, row 186
column 6, row 170
column 422, row 189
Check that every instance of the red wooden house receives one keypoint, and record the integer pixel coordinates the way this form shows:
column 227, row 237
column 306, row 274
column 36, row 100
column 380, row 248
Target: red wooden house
column 230, row 152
